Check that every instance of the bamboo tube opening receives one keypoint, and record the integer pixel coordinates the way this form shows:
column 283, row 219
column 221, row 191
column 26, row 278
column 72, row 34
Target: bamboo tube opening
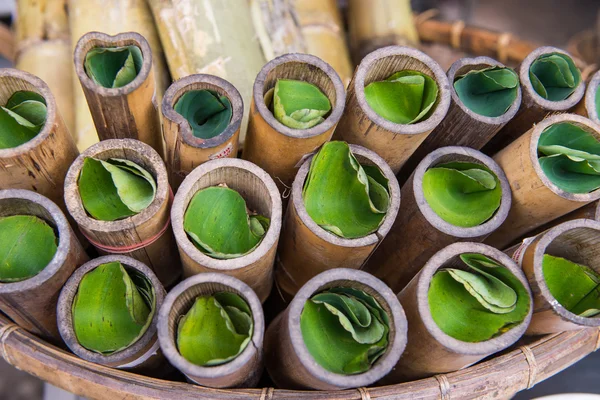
column 261, row 196
column 590, row 98
column 142, row 353
column 245, row 369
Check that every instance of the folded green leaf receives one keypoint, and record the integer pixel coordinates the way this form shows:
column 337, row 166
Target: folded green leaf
column 21, row 119
column 554, row 76
column 298, row 104
column 207, row 112
column 489, row 91
column 113, row 67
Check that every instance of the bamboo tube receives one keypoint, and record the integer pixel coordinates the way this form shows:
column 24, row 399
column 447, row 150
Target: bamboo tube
column 419, row 232
column 361, row 125
column 535, row 199
column 275, row 147
column 184, row 151
column 429, row 350
column 126, row 112
column 306, row 249
column 244, row 370
column 287, row 358
column 143, row 355
column 589, row 211
column 261, row 195
column 31, row 303
column 587, row 106
column 7, row 45
column 40, row 164
column 145, row 236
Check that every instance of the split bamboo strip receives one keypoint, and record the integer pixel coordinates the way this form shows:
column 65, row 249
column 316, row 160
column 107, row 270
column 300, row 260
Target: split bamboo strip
column 587, row 106
column 361, row 125
column 287, row 358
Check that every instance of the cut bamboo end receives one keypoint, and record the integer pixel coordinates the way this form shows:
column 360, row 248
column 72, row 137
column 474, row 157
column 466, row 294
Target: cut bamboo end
column 31, row 303
column 306, row 249
column 244, row 370
column 431, row 351
column 419, row 232
column 536, row 200
column 129, row 111
column 261, row 195
column 42, row 163
column 275, row 147
column 287, row 358
column 184, row 151
column 360, row 125
column 590, row 98
column 142, row 355
column 135, row 236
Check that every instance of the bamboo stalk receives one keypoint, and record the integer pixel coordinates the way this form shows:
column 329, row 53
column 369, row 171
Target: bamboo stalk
column 7, row 43
column 129, row 111
column 243, row 371
column 306, row 249
column 184, row 151
column 587, row 106
column 144, row 236
column 32, row 303
column 361, row 125
column 419, row 232
column 261, row 195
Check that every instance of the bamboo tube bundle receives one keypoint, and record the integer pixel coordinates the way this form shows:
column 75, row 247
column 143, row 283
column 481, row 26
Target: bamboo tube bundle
column 184, row 150
column 419, row 231
column 361, row 125
column 589, row 106
column 242, row 371
column 121, row 112
column 275, row 147
column 144, row 236
column 257, row 189
column 31, row 303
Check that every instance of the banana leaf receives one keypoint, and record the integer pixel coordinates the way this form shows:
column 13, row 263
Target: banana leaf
column 113, row 67
column 21, row 119
column 298, row 104
column 489, row 92
column 554, row 76
column 207, row 112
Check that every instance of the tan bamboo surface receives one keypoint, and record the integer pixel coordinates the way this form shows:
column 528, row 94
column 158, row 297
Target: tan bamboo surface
column 111, row 17
column 275, row 147
column 306, row 249
column 43, row 48
column 144, row 354
column 7, row 45
column 261, row 196
column 184, row 151
column 361, row 125
column 419, row 232
column 32, row 302
column 289, row 361
column 128, row 112
column 244, row 370
column 587, row 105
column 535, row 200
column 128, row 236
column 40, row 164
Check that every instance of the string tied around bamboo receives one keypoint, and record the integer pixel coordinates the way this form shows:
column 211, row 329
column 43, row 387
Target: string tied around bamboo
column 364, row 393
column 532, row 369
column 267, row 393
column 444, row 386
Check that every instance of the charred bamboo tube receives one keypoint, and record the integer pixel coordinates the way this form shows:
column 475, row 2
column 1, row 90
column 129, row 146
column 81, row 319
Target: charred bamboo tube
column 128, row 112
column 184, row 151
column 361, row 125
column 306, row 249
column 145, row 236
column 587, row 106
column 535, row 199
column 31, row 303
column 244, row 370
column 143, row 355
column 261, row 195
column 287, row 358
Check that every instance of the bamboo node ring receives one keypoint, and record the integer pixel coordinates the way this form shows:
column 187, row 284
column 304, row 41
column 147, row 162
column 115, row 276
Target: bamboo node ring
column 502, row 47
column 533, row 368
column 5, row 332
column 444, row 386
column 364, row 393
column 267, row 393
column 455, row 33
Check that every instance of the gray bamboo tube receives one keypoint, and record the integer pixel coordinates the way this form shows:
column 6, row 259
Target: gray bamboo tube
column 361, row 125
column 287, row 358
column 536, row 200
column 587, row 106
column 184, row 151
column 261, row 195
column 40, row 164
column 419, row 232
column 306, row 249
column 244, row 370
column 429, row 350
column 144, row 354
column 275, row 147
column 31, row 303
column 145, row 236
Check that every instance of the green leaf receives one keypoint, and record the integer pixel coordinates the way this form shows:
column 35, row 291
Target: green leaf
column 207, row 112
column 489, row 91
column 218, row 223
column 215, row 330
column 298, row 104
column 113, row 67
column 27, row 245
column 554, row 76
column 597, row 102
column 110, row 313
column 462, row 194
column 21, row 119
